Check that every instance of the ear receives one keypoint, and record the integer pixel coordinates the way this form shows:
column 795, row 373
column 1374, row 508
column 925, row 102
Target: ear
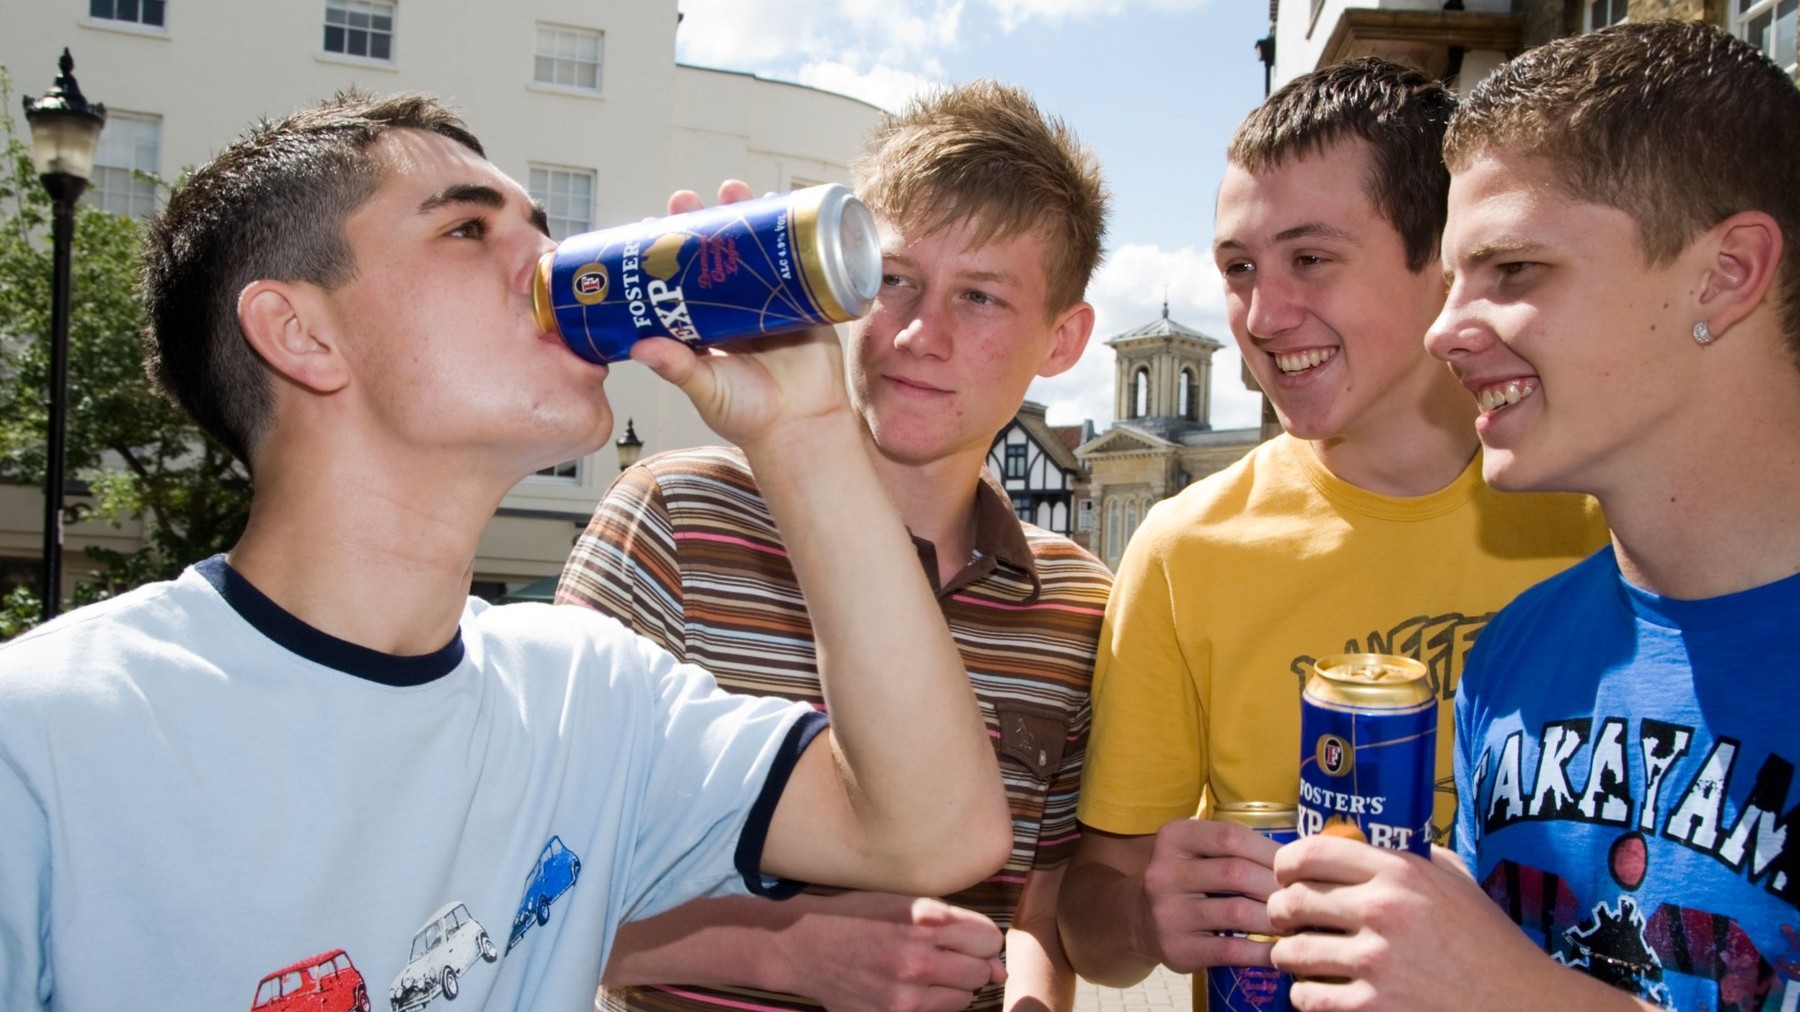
column 288, row 325
column 1072, row 330
column 1742, row 254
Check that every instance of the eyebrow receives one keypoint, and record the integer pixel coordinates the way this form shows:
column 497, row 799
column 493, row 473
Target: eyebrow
column 1309, row 230
column 1002, row 277
column 481, row 195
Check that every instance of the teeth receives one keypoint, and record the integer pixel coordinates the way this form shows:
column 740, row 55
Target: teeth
column 1300, row 361
column 1501, row 394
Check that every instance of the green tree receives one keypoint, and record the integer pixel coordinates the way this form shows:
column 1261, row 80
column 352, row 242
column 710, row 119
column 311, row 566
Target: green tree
column 138, row 453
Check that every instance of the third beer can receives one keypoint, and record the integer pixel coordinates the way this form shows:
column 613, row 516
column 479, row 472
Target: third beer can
column 1368, row 750
column 746, row 269
column 1252, row 988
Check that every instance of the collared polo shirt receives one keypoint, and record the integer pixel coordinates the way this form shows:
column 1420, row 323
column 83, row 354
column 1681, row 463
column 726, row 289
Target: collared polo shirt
column 684, row 550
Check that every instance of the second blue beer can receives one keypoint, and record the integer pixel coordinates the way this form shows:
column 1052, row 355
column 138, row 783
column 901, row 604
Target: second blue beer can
column 754, row 267
column 1253, row 988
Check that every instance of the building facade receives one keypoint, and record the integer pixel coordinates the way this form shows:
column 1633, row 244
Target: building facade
column 580, row 100
column 1163, row 439
column 1035, row 462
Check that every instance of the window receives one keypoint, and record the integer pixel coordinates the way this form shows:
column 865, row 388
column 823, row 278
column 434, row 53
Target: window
column 568, row 471
column 1188, row 397
column 1769, row 25
column 129, row 144
column 142, row 12
column 1022, row 507
column 1112, row 529
column 1085, row 516
column 1601, row 13
column 567, row 196
column 1140, row 393
column 1015, row 460
column 568, row 58
column 1131, row 519
column 360, row 28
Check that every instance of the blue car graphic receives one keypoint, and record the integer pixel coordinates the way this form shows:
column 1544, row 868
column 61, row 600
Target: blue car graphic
column 555, row 873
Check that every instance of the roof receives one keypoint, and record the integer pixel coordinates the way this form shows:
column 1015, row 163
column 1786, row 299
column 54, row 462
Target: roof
column 1165, row 327
column 1030, row 417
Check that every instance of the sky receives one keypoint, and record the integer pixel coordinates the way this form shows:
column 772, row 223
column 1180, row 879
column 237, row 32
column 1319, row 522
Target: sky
column 1154, row 87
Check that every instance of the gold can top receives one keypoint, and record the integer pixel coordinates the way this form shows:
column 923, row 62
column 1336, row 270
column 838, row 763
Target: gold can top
column 1262, row 815
column 1380, row 681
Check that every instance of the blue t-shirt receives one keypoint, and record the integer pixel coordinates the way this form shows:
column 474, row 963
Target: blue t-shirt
column 1626, row 768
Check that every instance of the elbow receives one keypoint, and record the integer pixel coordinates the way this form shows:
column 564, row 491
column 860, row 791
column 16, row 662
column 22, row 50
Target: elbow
column 969, row 852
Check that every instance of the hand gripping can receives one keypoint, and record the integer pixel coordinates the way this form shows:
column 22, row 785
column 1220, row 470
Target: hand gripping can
column 755, row 267
column 1368, row 750
column 1253, row 988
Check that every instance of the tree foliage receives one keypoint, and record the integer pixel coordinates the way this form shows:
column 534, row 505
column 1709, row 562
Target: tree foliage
column 137, row 453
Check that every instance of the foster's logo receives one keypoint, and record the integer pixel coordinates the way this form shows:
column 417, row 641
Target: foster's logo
column 1335, row 755
column 590, row 284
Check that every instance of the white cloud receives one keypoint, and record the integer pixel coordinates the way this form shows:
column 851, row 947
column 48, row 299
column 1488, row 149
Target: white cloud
column 884, row 86
column 1128, row 292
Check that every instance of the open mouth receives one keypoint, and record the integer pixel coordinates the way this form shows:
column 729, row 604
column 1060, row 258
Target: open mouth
column 1499, row 395
column 1299, row 361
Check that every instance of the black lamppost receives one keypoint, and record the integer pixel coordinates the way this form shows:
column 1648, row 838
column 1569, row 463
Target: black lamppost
column 629, row 446
column 65, row 130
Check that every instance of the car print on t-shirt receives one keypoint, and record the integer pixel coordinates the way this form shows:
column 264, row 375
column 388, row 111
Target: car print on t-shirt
column 554, row 874
column 443, row 950
column 328, row 982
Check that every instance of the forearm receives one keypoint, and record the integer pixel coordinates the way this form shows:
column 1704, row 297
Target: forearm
column 918, row 773
column 1038, row 976
column 1099, row 916
column 734, row 941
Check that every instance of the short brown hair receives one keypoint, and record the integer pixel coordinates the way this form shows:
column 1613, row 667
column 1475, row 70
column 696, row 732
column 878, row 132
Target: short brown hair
column 1398, row 111
column 270, row 206
column 985, row 152
column 1675, row 123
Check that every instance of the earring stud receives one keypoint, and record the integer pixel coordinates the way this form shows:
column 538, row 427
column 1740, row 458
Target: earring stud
column 1702, row 334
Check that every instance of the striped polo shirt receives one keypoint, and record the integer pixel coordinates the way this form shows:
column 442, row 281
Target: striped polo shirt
column 684, row 550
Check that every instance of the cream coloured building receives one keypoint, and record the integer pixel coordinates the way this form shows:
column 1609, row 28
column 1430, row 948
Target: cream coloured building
column 581, row 100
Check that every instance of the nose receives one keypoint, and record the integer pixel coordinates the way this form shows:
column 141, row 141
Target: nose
column 926, row 334
column 1458, row 329
column 1272, row 308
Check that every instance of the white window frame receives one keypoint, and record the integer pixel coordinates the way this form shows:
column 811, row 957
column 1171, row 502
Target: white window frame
column 561, row 59
column 551, row 186
column 568, row 472
column 1619, row 11
column 371, row 9
column 1745, row 11
column 140, row 21
column 124, row 151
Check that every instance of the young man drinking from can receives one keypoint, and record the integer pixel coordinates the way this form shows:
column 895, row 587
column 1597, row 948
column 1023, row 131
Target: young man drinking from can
column 1364, row 527
column 1624, row 307
column 990, row 216
column 319, row 743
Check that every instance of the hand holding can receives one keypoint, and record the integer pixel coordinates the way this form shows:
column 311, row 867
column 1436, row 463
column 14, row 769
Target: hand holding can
column 762, row 266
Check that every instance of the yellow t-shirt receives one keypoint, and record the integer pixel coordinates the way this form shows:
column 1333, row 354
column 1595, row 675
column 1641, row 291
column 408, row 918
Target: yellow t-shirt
column 1231, row 588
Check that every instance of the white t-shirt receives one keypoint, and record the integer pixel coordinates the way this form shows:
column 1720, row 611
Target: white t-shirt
column 206, row 803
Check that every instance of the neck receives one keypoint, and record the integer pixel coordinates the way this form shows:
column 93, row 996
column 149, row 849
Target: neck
column 381, row 558
column 1418, row 447
column 936, row 500
column 1719, row 516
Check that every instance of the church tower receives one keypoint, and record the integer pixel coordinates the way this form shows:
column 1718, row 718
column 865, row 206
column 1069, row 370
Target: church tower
column 1162, row 383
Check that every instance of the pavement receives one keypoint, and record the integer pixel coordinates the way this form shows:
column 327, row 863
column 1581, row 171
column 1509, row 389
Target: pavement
column 1162, row 990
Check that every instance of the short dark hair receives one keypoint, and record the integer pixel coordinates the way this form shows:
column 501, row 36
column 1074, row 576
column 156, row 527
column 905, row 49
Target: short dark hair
column 985, row 152
column 1676, row 123
column 270, row 206
column 1398, row 111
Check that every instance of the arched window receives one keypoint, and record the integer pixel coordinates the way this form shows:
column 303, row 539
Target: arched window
column 1113, row 542
column 1140, row 393
column 1188, row 399
column 1131, row 520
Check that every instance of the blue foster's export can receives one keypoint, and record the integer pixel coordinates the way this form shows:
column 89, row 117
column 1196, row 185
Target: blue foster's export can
column 1253, row 988
column 755, row 267
column 1368, row 749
